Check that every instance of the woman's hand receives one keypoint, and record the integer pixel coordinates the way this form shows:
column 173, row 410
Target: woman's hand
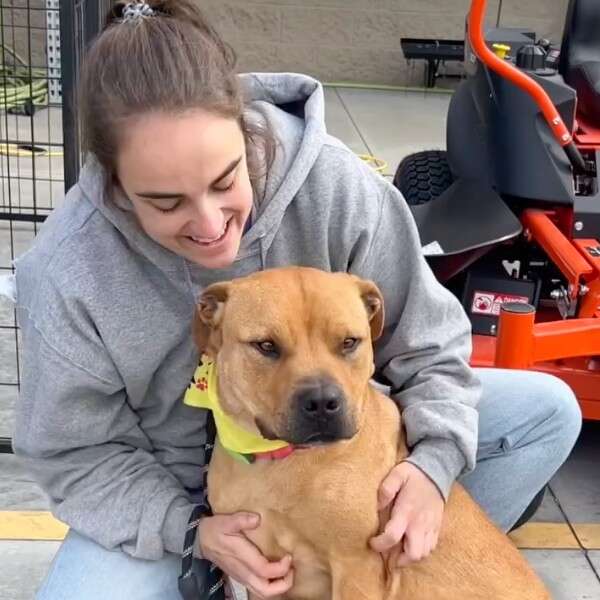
column 416, row 516
column 223, row 541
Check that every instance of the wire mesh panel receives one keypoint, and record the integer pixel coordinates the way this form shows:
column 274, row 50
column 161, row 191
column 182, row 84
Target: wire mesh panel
column 41, row 46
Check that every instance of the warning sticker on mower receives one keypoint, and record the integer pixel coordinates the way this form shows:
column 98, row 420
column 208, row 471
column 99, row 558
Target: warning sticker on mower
column 489, row 303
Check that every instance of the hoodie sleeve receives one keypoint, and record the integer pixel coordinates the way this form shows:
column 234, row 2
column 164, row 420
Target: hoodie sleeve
column 82, row 443
column 426, row 345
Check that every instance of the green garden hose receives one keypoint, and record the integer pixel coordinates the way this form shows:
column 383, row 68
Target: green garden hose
column 20, row 84
column 21, row 90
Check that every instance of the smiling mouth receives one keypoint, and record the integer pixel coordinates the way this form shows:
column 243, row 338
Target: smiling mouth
column 206, row 243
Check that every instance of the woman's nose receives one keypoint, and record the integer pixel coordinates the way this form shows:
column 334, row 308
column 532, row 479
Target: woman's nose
column 207, row 218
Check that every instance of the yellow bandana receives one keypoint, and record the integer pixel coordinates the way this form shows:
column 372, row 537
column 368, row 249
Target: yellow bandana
column 202, row 393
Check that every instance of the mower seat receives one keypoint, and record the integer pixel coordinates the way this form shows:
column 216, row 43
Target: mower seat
column 580, row 55
column 461, row 225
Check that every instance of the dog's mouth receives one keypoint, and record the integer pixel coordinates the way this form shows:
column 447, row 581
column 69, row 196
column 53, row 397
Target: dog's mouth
column 301, row 438
column 321, row 439
column 266, row 431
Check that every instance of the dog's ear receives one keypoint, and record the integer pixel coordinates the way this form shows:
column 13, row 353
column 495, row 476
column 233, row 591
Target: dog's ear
column 208, row 317
column 373, row 301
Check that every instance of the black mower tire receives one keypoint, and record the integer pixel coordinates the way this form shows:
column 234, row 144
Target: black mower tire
column 423, row 176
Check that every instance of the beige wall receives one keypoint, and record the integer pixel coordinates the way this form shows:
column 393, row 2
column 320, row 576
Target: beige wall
column 334, row 40
column 357, row 40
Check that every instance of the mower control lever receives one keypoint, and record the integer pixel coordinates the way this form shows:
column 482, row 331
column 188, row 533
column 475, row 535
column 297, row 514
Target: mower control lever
column 580, row 167
column 505, row 69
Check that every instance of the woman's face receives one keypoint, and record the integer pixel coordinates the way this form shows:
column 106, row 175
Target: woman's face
column 187, row 178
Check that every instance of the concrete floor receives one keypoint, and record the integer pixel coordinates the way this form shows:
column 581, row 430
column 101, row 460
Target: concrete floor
column 389, row 125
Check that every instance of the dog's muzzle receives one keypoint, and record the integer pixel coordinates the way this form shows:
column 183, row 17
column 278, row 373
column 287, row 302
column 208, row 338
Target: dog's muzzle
column 319, row 413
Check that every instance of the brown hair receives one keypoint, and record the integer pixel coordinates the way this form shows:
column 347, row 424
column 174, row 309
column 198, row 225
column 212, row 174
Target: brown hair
column 172, row 61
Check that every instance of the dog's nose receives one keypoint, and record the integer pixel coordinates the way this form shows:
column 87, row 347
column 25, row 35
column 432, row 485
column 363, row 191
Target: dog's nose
column 319, row 413
column 320, row 401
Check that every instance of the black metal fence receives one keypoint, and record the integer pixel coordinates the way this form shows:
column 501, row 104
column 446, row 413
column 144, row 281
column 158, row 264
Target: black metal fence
column 41, row 46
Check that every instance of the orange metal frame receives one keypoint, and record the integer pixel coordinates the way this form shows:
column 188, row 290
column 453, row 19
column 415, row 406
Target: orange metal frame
column 569, row 349
column 582, row 374
column 587, row 136
column 506, row 70
column 539, row 227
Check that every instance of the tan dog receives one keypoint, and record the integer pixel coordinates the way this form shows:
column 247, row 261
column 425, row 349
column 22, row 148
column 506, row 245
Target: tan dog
column 294, row 359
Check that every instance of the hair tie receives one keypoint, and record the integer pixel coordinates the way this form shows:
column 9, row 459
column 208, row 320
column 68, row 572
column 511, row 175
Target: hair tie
column 136, row 10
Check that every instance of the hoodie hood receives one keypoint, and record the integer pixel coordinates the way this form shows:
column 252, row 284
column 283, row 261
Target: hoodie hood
column 292, row 107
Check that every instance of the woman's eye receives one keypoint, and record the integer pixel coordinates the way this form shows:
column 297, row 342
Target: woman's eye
column 226, row 188
column 167, row 210
column 350, row 344
column 267, row 348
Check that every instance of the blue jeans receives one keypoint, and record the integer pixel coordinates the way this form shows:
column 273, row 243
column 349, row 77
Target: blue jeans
column 528, row 425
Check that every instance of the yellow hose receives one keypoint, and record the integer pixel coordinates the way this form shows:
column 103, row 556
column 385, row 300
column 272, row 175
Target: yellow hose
column 19, row 83
column 378, row 164
column 27, row 151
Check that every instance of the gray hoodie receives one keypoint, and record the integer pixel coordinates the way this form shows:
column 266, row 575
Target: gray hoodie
column 107, row 354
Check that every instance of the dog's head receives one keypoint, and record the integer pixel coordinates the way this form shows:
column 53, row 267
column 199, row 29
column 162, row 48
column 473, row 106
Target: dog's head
column 293, row 349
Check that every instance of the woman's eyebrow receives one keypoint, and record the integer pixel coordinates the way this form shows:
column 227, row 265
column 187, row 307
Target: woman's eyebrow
column 175, row 195
column 232, row 165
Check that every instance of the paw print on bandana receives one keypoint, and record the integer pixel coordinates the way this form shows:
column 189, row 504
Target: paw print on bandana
column 202, row 384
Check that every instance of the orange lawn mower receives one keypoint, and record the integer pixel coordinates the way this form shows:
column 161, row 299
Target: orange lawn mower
column 509, row 215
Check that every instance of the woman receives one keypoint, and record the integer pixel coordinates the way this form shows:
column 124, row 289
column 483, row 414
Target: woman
column 195, row 175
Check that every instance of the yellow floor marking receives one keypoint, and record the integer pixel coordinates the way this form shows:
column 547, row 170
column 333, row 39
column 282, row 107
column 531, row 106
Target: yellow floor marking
column 588, row 534
column 551, row 536
column 31, row 525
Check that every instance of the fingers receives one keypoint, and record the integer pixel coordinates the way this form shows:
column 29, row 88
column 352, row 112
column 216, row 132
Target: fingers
column 225, row 543
column 261, row 567
column 391, row 535
column 416, row 537
column 416, row 546
column 416, row 514
column 432, row 541
column 251, row 557
column 265, row 579
column 412, row 551
column 241, row 521
column 265, row 588
column 390, row 486
column 249, row 554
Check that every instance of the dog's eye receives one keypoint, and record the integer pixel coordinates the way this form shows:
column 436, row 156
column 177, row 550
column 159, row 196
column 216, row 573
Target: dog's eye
column 267, row 348
column 350, row 344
